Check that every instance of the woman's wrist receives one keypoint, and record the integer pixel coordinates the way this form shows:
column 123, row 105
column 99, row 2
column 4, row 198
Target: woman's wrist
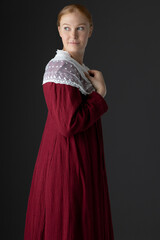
column 102, row 93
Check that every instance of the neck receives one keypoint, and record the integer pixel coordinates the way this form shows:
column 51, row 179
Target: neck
column 77, row 56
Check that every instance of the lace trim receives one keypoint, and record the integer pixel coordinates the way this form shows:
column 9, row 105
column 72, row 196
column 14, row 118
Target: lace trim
column 65, row 70
column 73, row 84
column 64, row 55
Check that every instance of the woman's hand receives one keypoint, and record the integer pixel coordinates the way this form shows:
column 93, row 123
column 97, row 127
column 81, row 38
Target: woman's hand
column 97, row 80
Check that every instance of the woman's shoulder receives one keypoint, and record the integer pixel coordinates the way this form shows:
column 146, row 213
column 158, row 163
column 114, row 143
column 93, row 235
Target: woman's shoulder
column 65, row 72
column 62, row 71
column 61, row 66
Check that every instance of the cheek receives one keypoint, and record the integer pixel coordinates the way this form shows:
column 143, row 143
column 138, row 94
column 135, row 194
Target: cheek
column 85, row 36
column 64, row 36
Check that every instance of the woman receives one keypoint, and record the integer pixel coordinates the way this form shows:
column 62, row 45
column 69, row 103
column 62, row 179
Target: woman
column 69, row 197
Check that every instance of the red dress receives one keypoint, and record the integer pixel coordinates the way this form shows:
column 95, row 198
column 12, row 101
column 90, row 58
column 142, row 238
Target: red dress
column 69, row 197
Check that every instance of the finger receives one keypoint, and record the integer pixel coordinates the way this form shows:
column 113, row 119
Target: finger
column 87, row 74
column 92, row 70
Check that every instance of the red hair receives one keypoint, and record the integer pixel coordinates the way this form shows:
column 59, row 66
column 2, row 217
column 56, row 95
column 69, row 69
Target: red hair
column 71, row 8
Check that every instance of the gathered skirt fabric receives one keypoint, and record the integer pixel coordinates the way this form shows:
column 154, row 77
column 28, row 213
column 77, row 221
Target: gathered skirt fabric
column 69, row 197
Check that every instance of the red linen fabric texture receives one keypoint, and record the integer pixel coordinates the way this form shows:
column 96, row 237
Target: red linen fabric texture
column 69, row 197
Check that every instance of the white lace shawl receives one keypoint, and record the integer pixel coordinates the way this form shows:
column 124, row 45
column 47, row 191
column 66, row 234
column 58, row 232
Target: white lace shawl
column 64, row 69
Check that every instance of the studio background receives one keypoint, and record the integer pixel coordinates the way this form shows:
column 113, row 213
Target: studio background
column 125, row 47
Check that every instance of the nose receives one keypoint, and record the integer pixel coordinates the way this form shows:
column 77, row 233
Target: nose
column 74, row 33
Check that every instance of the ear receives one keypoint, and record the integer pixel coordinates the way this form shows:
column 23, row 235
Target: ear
column 90, row 31
column 59, row 31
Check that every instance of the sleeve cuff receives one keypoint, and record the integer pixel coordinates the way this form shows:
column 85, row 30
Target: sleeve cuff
column 99, row 102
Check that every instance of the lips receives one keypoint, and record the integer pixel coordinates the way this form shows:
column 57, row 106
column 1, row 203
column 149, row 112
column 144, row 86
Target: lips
column 73, row 43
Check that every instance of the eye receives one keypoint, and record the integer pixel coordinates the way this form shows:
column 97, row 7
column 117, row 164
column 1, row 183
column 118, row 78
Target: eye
column 65, row 28
column 81, row 28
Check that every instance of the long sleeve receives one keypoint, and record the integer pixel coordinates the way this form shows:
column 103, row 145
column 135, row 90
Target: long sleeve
column 70, row 111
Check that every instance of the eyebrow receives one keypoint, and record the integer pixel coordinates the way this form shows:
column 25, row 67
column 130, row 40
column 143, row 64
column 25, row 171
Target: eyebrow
column 69, row 24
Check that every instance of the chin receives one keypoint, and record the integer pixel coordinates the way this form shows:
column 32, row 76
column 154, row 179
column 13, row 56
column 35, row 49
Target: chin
column 76, row 48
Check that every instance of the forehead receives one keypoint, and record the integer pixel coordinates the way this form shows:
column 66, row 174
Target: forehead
column 74, row 18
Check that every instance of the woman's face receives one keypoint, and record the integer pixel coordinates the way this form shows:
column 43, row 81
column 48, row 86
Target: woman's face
column 74, row 30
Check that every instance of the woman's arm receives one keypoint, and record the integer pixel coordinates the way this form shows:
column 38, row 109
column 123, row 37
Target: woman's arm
column 71, row 113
